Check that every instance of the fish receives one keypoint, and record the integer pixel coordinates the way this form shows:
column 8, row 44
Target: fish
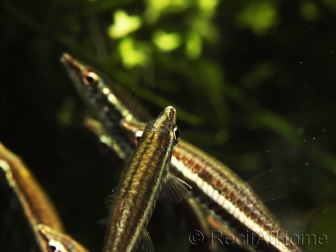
column 138, row 190
column 36, row 205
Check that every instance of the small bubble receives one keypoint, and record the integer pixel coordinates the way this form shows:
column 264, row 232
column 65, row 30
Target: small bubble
column 304, row 140
column 306, row 163
column 332, row 51
column 313, row 138
column 300, row 62
column 323, row 130
column 267, row 151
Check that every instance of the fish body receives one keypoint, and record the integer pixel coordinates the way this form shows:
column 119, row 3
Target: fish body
column 139, row 187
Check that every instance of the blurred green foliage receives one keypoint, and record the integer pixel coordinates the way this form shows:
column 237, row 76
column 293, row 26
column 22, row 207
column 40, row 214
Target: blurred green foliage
column 253, row 83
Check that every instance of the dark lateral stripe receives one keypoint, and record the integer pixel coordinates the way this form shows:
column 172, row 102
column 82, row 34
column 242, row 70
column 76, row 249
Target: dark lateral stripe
column 228, row 196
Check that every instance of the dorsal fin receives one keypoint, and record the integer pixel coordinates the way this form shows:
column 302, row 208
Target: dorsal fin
column 271, row 184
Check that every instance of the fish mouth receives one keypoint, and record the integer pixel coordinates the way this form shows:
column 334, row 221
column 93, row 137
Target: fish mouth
column 71, row 64
column 169, row 113
column 165, row 121
column 170, row 110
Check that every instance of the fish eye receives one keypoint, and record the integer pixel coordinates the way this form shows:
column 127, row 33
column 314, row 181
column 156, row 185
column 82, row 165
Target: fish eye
column 55, row 246
column 52, row 248
column 176, row 133
column 90, row 79
column 138, row 135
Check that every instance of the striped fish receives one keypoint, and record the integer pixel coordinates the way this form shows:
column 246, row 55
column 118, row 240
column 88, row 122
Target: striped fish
column 140, row 185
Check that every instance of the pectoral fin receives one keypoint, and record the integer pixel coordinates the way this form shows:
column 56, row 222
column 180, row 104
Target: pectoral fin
column 146, row 244
column 176, row 189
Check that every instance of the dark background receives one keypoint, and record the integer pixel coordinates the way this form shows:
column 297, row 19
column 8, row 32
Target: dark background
column 260, row 95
